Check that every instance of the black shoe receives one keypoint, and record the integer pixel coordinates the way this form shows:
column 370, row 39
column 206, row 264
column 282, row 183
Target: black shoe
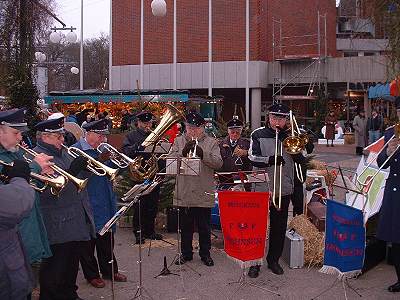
column 154, row 236
column 395, row 288
column 275, row 268
column 181, row 260
column 331, row 145
column 208, row 261
column 254, row 271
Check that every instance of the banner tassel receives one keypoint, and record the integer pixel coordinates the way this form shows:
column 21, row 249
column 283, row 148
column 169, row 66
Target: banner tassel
column 341, row 275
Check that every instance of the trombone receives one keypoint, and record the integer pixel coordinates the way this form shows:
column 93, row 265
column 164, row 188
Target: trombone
column 56, row 184
column 93, row 165
column 79, row 183
column 369, row 179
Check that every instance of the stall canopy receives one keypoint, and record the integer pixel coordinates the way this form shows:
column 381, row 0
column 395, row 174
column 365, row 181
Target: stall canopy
column 380, row 91
column 101, row 96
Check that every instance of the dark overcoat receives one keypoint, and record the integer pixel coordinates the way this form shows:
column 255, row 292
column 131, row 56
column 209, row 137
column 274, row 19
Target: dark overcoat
column 389, row 219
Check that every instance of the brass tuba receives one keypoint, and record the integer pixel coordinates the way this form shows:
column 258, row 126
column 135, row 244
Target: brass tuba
column 141, row 170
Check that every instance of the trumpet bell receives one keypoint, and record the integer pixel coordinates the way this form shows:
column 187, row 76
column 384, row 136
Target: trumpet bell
column 293, row 144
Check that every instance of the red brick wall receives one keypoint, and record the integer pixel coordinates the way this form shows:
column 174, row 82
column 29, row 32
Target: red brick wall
column 300, row 17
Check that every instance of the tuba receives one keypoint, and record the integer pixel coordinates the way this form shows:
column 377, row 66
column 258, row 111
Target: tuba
column 141, row 170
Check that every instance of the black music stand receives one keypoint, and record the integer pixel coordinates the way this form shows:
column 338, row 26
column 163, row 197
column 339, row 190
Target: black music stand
column 133, row 194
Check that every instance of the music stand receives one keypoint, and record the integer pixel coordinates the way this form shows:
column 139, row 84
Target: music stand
column 135, row 194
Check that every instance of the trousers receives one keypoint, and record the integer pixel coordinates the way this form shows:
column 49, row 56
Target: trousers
column 58, row 273
column 90, row 265
column 277, row 229
column 202, row 217
column 148, row 213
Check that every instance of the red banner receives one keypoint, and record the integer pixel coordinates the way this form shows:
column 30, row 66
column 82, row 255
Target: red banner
column 244, row 221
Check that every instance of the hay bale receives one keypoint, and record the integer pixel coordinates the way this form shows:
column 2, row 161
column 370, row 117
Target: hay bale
column 313, row 240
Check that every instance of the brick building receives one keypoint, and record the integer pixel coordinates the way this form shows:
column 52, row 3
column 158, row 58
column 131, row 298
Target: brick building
column 292, row 48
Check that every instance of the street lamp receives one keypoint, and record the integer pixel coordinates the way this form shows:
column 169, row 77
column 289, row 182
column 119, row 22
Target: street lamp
column 74, row 70
column 159, row 8
column 40, row 57
column 56, row 36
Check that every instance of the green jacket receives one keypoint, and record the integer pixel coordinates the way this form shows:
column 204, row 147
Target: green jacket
column 32, row 229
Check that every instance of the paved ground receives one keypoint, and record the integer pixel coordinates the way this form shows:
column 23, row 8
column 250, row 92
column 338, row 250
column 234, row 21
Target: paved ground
column 201, row 282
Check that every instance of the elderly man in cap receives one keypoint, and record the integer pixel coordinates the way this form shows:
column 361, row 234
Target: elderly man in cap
column 68, row 217
column 389, row 221
column 103, row 201
column 192, row 192
column 25, row 214
column 31, row 228
column 262, row 155
column 149, row 203
column 234, row 151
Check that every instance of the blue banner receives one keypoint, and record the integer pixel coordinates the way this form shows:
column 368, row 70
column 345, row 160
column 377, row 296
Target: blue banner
column 344, row 240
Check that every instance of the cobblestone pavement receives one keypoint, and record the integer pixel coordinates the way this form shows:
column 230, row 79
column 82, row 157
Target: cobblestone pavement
column 196, row 281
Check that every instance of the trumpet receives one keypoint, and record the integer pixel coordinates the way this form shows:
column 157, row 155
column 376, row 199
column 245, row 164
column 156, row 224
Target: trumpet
column 117, row 158
column 79, row 183
column 369, row 179
column 93, row 166
column 56, row 184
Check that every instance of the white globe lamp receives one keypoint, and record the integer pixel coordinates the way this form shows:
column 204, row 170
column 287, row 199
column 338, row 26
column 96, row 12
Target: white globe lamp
column 40, row 57
column 74, row 70
column 159, row 8
column 55, row 37
column 71, row 37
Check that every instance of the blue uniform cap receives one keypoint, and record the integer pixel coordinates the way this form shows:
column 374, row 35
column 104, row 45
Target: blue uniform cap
column 14, row 118
column 279, row 109
column 56, row 125
column 195, row 119
column 99, row 126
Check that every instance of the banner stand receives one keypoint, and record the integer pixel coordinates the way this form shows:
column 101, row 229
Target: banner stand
column 345, row 282
column 242, row 282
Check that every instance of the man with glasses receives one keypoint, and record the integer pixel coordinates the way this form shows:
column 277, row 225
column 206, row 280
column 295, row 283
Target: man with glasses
column 262, row 155
column 30, row 223
column 149, row 203
column 192, row 192
column 68, row 217
column 103, row 201
column 234, row 152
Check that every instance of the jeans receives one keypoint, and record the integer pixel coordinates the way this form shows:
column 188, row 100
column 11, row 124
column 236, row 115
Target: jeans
column 374, row 135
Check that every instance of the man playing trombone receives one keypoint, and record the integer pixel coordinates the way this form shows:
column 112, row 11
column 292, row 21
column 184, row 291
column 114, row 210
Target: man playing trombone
column 389, row 218
column 266, row 152
column 149, row 203
column 68, row 216
column 103, row 201
column 31, row 227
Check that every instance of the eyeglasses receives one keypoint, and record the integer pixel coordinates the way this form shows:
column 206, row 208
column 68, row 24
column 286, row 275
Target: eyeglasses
column 237, row 131
column 277, row 117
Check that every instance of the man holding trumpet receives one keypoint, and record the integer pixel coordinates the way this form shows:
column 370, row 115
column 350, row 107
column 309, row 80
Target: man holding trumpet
column 30, row 226
column 103, row 201
column 266, row 152
column 67, row 216
column 389, row 221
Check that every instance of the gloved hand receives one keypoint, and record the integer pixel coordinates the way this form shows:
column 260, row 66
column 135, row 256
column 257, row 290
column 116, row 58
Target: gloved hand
column 77, row 165
column 282, row 135
column 20, row 168
column 309, row 146
column 104, row 156
column 279, row 160
column 189, row 146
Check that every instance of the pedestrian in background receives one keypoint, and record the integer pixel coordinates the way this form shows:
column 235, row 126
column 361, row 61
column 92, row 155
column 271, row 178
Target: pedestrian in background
column 360, row 131
column 330, row 123
column 374, row 126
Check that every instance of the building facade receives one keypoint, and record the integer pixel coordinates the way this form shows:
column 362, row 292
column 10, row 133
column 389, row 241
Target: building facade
column 294, row 47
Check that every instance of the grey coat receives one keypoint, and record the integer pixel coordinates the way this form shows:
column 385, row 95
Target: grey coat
column 69, row 216
column 360, row 128
column 16, row 202
column 262, row 146
column 194, row 191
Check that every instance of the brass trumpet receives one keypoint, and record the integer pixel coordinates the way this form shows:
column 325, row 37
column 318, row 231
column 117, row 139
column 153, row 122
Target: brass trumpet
column 56, row 184
column 79, row 183
column 93, row 166
column 117, row 158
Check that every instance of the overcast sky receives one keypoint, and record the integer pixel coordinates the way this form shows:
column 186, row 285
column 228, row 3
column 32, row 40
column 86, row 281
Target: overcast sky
column 96, row 15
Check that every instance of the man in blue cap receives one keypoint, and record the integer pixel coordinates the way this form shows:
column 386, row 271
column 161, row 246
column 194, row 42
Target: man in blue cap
column 191, row 192
column 389, row 220
column 68, row 217
column 31, row 228
column 103, row 201
column 149, row 203
column 262, row 155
